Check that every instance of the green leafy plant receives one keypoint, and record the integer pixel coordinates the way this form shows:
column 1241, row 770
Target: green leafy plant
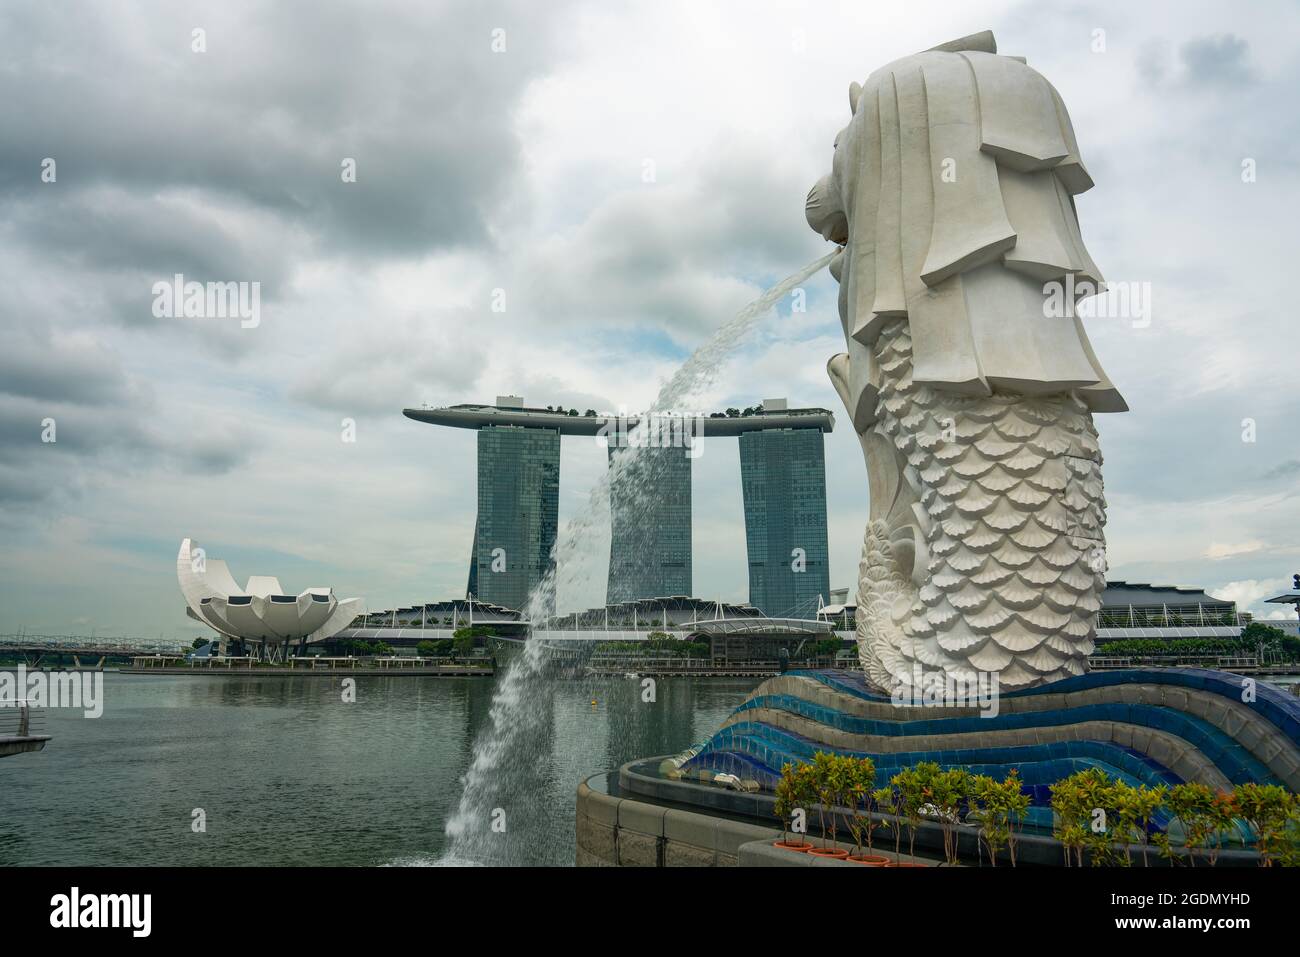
column 786, row 790
column 1001, row 806
column 832, row 779
column 887, row 799
column 1015, row 802
column 944, row 792
column 1124, row 828
column 862, row 776
column 795, row 792
column 1095, row 817
column 1203, row 815
column 1288, row 854
column 1274, row 814
column 1084, row 808
column 1137, row 807
column 911, row 785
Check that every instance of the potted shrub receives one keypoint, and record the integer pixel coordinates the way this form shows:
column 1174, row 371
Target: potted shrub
column 1102, row 806
column 860, row 821
column 1274, row 814
column 789, row 799
column 1015, row 803
column 1083, row 804
column 997, row 810
column 887, row 799
column 1137, row 806
column 1123, row 797
column 944, row 792
column 911, row 785
column 830, row 784
column 806, row 796
column 1203, row 815
column 1001, row 806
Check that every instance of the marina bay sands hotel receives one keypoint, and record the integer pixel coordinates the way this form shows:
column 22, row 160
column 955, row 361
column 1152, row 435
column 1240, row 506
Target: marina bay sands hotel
column 783, row 480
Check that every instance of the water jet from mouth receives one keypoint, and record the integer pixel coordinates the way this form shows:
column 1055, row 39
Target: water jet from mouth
column 496, row 797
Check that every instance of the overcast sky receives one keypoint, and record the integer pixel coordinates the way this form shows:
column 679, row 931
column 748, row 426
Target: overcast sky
column 526, row 170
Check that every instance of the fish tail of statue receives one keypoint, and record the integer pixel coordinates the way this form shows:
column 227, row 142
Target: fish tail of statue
column 989, row 556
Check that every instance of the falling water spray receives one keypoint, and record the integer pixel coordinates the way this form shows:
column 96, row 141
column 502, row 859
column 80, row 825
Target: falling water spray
column 523, row 694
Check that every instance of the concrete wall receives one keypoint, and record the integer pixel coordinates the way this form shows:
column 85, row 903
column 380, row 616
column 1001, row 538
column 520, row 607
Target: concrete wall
column 622, row 832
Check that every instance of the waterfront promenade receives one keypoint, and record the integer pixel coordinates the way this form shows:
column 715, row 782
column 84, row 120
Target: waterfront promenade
column 396, row 666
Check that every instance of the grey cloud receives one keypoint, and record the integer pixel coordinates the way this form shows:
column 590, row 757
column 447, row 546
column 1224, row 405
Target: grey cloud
column 1283, row 470
column 153, row 238
column 1152, row 62
column 62, row 368
column 94, row 443
column 213, row 455
column 1201, row 62
column 671, row 252
column 20, row 486
column 439, row 360
column 225, row 165
column 284, row 92
column 1218, row 60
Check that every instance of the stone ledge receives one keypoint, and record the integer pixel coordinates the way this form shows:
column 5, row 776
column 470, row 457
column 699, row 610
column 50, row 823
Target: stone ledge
column 637, row 850
column 689, row 827
column 679, row 854
column 597, row 839
column 599, row 807
column 643, row 818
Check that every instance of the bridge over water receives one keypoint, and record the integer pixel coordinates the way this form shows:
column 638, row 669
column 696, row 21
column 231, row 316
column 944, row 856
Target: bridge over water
column 80, row 651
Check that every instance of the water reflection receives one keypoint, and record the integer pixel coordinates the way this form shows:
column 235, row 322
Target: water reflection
column 289, row 774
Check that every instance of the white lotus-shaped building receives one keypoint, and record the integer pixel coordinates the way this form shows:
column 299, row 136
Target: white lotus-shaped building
column 260, row 612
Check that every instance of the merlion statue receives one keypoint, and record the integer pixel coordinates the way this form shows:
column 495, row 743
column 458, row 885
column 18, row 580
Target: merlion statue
column 951, row 193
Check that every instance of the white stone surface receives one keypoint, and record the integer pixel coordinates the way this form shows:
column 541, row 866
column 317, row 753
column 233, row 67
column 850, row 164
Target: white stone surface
column 952, row 193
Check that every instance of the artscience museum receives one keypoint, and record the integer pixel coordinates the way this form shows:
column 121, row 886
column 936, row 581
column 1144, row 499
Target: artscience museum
column 260, row 617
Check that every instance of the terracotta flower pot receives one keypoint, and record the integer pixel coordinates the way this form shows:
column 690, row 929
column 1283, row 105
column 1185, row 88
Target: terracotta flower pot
column 871, row 860
column 838, row 853
column 803, row 848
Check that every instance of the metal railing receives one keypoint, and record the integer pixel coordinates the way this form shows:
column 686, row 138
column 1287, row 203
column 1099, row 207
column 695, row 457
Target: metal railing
column 1219, row 662
column 309, row 662
column 1179, row 616
column 21, row 720
column 389, row 662
column 607, row 662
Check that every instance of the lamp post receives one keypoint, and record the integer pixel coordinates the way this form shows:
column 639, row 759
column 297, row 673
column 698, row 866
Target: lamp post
column 1292, row 599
